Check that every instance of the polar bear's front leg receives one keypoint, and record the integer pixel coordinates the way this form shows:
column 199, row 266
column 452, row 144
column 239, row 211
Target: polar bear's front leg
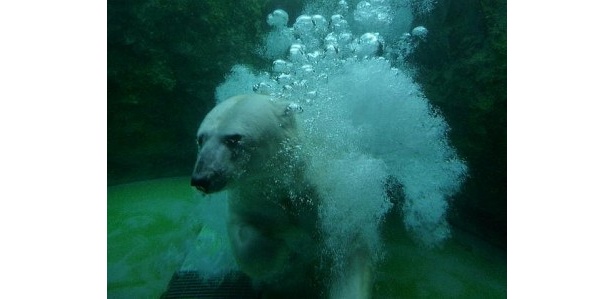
column 257, row 254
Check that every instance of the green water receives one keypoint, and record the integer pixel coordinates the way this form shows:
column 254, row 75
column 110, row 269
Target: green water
column 464, row 267
column 151, row 227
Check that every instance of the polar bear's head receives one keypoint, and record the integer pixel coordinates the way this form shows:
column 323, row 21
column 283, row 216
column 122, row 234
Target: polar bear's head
column 241, row 139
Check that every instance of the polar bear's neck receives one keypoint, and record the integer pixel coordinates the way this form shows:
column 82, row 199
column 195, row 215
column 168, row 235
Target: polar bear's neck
column 286, row 191
column 272, row 184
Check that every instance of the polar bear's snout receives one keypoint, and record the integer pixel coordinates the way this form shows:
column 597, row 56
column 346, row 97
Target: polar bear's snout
column 208, row 182
column 208, row 175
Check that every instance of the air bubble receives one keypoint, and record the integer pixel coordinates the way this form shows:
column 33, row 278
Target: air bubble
column 369, row 45
column 281, row 66
column 284, row 79
column 294, row 108
column 314, row 56
column 303, row 25
column 330, row 39
column 339, row 24
column 311, row 94
column 264, row 88
column 278, row 18
column 296, row 52
column 320, row 23
column 307, row 68
column 420, row 32
column 345, row 38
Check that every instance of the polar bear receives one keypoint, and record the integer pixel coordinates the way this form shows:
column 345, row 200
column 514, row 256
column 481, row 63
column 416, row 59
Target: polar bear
column 248, row 145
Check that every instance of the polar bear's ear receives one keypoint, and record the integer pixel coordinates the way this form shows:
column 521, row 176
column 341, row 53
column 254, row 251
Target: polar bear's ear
column 293, row 108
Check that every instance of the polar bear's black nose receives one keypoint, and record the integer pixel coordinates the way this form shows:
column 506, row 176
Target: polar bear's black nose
column 208, row 183
column 200, row 182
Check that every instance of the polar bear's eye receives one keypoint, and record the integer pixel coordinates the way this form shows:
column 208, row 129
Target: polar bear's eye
column 233, row 140
column 200, row 140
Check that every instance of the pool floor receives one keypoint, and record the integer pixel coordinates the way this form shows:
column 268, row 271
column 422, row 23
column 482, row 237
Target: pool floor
column 152, row 225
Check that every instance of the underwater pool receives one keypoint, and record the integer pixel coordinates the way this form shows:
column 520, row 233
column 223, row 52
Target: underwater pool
column 152, row 230
column 340, row 128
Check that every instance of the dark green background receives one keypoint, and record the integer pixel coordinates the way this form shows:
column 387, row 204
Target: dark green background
column 165, row 59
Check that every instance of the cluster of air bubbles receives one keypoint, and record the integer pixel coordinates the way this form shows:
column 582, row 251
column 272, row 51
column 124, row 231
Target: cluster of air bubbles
column 373, row 14
column 406, row 44
column 345, row 70
column 423, row 6
column 305, row 52
column 307, row 26
column 314, row 44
